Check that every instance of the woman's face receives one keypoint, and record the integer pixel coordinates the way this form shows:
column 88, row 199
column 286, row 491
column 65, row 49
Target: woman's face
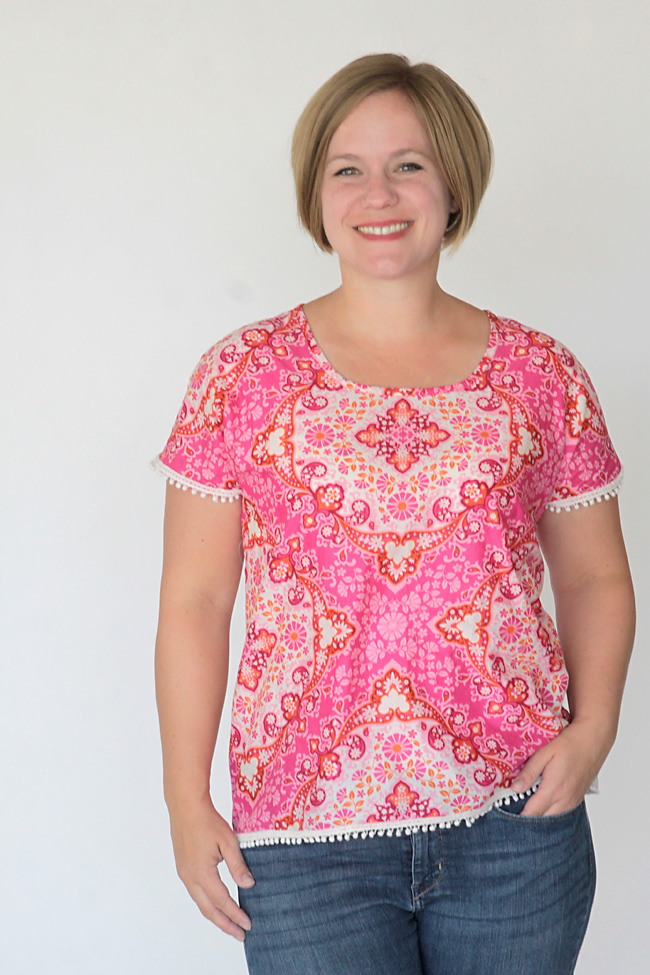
column 380, row 171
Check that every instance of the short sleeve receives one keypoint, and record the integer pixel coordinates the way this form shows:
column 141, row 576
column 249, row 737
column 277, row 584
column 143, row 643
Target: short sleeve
column 198, row 454
column 589, row 469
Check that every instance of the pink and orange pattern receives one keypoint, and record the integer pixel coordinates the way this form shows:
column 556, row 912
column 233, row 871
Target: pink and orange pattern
column 398, row 667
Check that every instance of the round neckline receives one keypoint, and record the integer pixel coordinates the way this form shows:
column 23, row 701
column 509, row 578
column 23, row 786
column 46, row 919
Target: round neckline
column 318, row 353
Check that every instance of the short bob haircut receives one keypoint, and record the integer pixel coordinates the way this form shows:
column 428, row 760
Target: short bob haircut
column 459, row 137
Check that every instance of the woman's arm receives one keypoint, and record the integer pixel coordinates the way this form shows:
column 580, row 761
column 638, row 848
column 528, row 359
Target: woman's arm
column 595, row 618
column 201, row 572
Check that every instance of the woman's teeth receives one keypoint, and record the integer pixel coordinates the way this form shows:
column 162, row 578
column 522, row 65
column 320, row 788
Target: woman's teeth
column 392, row 229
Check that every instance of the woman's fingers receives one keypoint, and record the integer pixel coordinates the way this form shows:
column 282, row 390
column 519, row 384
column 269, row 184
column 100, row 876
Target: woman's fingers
column 232, row 854
column 210, row 893
column 203, row 840
column 544, row 800
column 212, row 896
column 567, row 765
column 532, row 770
column 217, row 906
column 558, row 790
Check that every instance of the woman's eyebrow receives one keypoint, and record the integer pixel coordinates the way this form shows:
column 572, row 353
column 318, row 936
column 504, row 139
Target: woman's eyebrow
column 398, row 152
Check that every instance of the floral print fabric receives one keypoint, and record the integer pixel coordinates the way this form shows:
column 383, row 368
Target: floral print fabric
column 398, row 667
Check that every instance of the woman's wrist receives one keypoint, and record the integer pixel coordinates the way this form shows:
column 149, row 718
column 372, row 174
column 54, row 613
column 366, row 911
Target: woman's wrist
column 601, row 729
column 181, row 799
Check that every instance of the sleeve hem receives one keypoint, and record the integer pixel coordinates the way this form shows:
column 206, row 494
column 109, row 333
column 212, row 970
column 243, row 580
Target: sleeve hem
column 205, row 490
column 599, row 494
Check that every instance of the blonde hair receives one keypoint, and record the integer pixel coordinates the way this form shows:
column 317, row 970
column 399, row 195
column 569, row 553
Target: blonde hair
column 458, row 135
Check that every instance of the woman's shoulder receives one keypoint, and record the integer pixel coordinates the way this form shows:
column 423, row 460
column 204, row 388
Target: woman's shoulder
column 547, row 363
column 253, row 332
column 229, row 349
column 528, row 333
column 537, row 343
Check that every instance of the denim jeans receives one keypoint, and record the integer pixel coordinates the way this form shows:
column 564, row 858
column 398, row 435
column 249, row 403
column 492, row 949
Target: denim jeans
column 510, row 895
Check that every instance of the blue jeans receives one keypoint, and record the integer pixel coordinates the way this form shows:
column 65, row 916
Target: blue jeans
column 510, row 895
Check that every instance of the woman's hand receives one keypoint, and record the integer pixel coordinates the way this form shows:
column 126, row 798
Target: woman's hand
column 201, row 572
column 595, row 614
column 568, row 765
column 202, row 839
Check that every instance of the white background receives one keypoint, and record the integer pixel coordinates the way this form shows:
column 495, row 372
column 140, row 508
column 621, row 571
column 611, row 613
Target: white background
column 147, row 209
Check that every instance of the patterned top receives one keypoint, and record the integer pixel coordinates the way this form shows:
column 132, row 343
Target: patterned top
column 398, row 667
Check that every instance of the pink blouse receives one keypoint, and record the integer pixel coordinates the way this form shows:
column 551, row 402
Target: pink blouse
column 398, row 667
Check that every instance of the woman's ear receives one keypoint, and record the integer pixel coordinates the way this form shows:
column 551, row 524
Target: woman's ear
column 453, row 206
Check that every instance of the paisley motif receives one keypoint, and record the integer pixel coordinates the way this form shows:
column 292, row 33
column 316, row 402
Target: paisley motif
column 398, row 666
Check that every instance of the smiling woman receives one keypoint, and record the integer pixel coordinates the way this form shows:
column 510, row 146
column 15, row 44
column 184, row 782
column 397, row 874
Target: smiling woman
column 359, row 196
column 452, row 136
column 399, row 464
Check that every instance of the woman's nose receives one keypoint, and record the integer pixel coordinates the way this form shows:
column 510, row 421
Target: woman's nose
column 379, row 190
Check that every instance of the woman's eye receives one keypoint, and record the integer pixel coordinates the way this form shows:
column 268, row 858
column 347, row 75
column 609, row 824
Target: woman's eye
column 353, row 169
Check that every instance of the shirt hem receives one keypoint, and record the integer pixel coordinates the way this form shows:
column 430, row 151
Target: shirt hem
column 599, row 494
column 205, row 490
column 271, row 837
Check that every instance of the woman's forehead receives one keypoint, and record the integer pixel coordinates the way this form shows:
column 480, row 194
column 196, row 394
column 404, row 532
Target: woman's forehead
column 374, row 124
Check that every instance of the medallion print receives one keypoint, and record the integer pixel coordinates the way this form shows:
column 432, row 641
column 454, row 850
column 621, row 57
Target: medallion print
column 398, row 666
column 402, row 435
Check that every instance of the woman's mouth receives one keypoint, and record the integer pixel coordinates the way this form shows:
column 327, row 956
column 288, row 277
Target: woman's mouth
column 377, row 231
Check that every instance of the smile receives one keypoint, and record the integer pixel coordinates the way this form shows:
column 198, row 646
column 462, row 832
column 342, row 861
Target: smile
column 382, row 231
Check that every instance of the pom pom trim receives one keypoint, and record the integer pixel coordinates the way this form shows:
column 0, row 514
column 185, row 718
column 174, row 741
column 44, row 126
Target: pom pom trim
column 590, row 498
column 184, row 483
column 272, row 837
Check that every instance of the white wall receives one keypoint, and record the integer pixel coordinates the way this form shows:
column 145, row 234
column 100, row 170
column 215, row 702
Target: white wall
column 147, row 209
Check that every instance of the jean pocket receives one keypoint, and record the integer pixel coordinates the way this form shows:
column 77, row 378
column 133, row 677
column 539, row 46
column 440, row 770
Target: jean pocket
column 514, row 809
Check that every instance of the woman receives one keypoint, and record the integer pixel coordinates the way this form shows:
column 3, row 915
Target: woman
column 397, row 461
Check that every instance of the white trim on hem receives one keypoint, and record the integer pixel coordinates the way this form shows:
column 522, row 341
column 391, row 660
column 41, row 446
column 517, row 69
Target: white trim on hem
column 269, row 837
column 599, row 494
column 180, row 481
